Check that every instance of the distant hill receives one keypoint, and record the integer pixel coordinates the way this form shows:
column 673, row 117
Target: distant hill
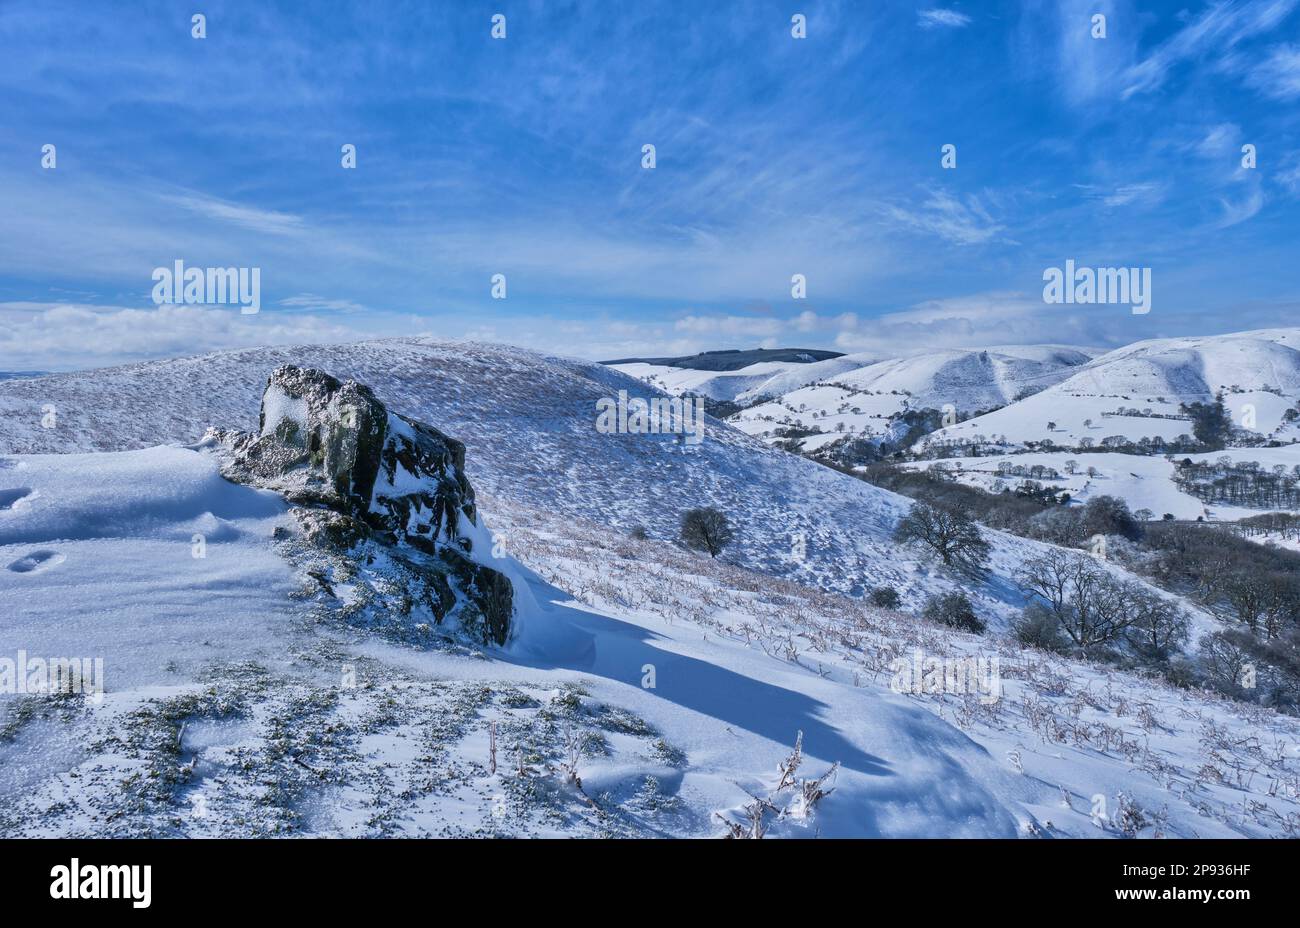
column 863, row 396
column 734, row 359
column 1136, row 392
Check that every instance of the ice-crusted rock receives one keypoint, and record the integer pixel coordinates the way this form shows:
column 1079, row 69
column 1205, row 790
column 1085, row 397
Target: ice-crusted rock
column 383, row 500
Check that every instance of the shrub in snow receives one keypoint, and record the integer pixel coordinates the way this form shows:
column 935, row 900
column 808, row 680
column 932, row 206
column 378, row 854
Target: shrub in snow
column 954, row 610
column 1238, row 664
column 1159, row 630
column 794, row 799
column 885, row 597
column 1060, row 526
column 1129, row 816
column 706, row 529
column 1038, row 627
column 1182, row 672
column 1109, row 515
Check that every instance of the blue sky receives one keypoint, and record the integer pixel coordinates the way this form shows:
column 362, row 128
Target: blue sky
column 522, row 157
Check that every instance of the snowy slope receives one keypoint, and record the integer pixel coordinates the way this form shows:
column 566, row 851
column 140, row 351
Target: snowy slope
column 969, row 379
column 862, row 400
column 227, row 713
column 1142, row 481
column 788, row 381
column 716, row 385
column 529, row 424
column 1135, row 391
column 99, row 561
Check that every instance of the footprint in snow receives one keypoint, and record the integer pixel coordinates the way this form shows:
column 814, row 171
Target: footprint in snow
column 11, row 497
column 37, row 560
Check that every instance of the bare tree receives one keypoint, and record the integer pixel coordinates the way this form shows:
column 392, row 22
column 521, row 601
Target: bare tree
column 1092, row 605
column 706, row 529
column 1263, row 601
column 949, row 532
column 1159, row 628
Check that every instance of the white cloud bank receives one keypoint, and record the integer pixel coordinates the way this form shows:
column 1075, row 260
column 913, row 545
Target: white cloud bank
column 65, row 336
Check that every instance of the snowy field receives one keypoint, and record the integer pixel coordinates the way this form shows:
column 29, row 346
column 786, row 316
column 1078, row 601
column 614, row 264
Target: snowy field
column 1142, row 481
column 647, row 690
column 670, row 685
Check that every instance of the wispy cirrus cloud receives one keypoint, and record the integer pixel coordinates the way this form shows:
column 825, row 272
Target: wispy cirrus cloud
column 1289, row 175
column 960, row 220
column 1145, row 193
column 268, row 222
column 939, row 18
column 1133, row 193
column 1240, row 209
column 310, row 302
column 1214, row 34
column 1278, row 75
column 1220, row 141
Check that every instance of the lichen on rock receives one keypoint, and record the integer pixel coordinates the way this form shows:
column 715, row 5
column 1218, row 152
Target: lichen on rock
column 383, row 506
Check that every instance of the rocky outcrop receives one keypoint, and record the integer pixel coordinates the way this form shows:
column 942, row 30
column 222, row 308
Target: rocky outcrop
column 383, row 505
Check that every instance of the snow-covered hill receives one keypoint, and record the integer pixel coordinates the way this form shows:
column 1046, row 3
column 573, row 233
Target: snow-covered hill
column 1136, row 391
column 835, row 399
column 727, row 375
column 716, row 385
column 1142, row 481
column 529, row 423
column 650, row 690
column 969, row 379
column 655, row 696
column 1073, row 397
column 790, row 380
column 97, row 560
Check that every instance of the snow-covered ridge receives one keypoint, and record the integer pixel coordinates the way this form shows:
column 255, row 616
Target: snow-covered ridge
column 977, row 378
column 716, row 385
column 858, row 395
column 1136, row 391
column 1070, row 396
column 528, row 422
